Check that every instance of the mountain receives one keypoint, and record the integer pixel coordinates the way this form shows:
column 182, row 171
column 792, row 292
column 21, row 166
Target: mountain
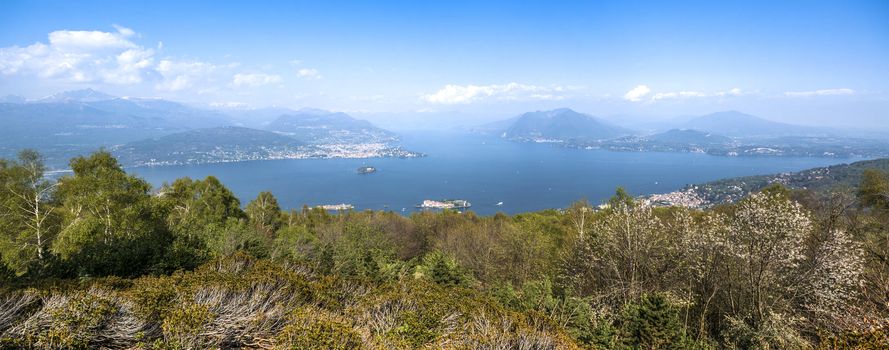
column 41, row 123
column 175, row 114
column 734, row 123
column 258, row 118
column 211, row 145
column 323, row 127
column 12, row 99
column 84, row 95
column 561, row 124
column 497, row 127
column 75, row 122
column 816, row 179
column 689, row 136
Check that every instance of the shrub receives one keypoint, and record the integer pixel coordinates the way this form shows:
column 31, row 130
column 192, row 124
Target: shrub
column 313, row 328
column 182, row 327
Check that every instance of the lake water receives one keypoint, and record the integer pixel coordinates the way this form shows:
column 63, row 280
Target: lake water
column 484, row 170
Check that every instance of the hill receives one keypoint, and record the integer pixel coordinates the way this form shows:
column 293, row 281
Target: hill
column 689, row 136
column 175, row 114
column 83, row 95
column 816, row 179
column 70, row 123
column 734, row 123
column 323, row 127
column 561, row 125
column 74, row 122
column 212, row 145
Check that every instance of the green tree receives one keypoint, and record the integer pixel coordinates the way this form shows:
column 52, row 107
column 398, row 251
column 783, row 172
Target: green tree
column 265, row 213
column 28, row 224
column 196, row 212
column 874, row 189
column 651, row 323
column 109, row 226
column 621, row 198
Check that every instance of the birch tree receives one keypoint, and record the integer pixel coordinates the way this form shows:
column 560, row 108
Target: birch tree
column 27, row 219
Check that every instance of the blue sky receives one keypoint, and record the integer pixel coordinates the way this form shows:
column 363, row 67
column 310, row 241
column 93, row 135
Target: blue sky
column 809, row 62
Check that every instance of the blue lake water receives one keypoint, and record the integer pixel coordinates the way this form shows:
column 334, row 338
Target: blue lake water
column 484, row 170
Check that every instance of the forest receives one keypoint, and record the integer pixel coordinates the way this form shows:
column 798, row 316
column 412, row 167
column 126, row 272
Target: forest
column 99, row 259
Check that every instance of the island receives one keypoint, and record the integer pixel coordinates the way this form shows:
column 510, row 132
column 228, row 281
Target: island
column 337, row 207
column 445, row 204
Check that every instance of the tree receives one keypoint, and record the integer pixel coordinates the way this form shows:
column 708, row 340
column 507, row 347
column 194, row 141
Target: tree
column 109, row 226
column 194, row 204
column 621, row 198
column 580, row 214
column 652, row 323
column 196, row 212
column 783, row 271
column 874, row 189
column 28, row 222
column 265, row 214
column 629, row 252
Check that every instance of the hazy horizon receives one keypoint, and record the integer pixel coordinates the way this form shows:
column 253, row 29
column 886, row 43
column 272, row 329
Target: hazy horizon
column 820, row 64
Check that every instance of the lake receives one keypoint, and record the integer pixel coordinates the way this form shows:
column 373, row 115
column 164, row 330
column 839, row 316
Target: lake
column 482, row 169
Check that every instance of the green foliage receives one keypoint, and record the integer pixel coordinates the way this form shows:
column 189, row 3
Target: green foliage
column 265, row 213
column 238, row 236
column 28, row 224
column 651, row 323
column 621, row 198
column 196, row 213
column 874, row 189
column 183, row 325
column 295, row 243
column 767, row 272
column 109, row 224
column 443, row 270
column 314, row 328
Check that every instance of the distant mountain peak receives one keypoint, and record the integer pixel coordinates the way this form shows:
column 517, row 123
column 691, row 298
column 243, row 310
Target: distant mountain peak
column 313, row 111
column 82, row 95
column 12, row 99
column 560, row 124
column 739, row 124
column 320, row 126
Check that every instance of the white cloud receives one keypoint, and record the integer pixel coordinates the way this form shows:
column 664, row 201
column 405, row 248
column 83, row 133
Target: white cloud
column 81, row 56
column 126, row 32
column 676, row 95
column 105, row 58
column 308, row 73
column 179, row 75
column 229, row 105
column 637, row 93
column 822, row 92
column 732, row 92
column 85, row 41
column 640, row 94
column 254, row 80
column 462, row 94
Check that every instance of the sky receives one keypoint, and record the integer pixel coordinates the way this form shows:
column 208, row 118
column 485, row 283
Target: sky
column 806, row 62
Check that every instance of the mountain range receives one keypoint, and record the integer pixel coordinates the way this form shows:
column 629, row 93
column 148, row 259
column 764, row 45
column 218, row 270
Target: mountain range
column 737, row 124
column 728, row 133
column 323, row 127
column 556, row 125
column 70, row 123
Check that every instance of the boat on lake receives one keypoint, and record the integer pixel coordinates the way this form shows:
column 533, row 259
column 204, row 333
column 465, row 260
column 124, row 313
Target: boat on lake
column 367, row 170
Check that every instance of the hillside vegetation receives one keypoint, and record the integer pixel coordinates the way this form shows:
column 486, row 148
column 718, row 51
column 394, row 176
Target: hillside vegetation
column 99, row 259
column 841, row 177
